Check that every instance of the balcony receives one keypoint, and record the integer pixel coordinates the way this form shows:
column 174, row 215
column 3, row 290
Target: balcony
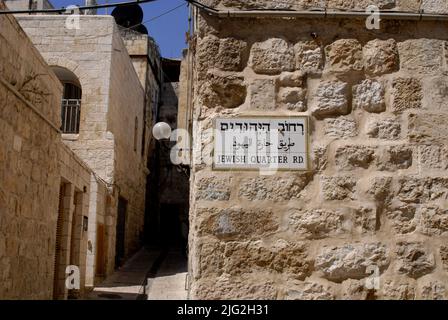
column 70, row 115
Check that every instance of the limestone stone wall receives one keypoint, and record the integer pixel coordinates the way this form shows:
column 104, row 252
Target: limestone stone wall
column 126, row 121
column 101, row 219
column 29, row 173
column 377, row 194
column 25, row 4
column 75, row 175
column 112, row 108
column 145, row 57
column 87, row 53
column 429, row 6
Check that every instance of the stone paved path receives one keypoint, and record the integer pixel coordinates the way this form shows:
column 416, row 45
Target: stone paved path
column 152, row 274
column 169, row 281
column 128, row 282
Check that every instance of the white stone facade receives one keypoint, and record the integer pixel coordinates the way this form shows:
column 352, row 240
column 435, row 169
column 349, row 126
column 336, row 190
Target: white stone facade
column 43, row 183
column 112, row 111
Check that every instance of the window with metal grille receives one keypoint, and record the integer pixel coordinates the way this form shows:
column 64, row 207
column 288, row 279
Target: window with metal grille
column 71, row 108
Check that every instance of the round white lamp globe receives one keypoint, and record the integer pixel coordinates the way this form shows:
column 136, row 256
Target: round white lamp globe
column 161, row 130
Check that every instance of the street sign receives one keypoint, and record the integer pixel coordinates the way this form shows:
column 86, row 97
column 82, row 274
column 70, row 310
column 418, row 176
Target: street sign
column 269, row 143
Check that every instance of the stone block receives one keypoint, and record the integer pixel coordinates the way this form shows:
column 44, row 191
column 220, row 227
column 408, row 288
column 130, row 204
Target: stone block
column 433, row 290
column 316, row 223
column 355, row 290
column 342, row 127
column 213, row 189
column 435, row 6
column 359, row 4
column 331, row 99
column 231, row 54
column 394, row 158
column 413, row 190
column 443, row 251
column 428, row 128
column 308, row 56
column 281, row 257
column 344, row 56
column 274, row 188
column 397, row 289
column 338, row 187
column 292, row 79
column 258, row 4
column 406, row 94
column 309, row 291
column 409, row 5
column 386, row 129
column 403, row 218
column 262, row 94
column 247, row 287
column 209, row 257
column 433, row 221
column 213, row 3
column 436, row 93
column 421, row 55
column 276, row 5
column 272, row 56
column 228, row 91
column 437, row 188
column 369, row 95
column 293, row 98
column 365, row 220
column 350, row 261
column 352, row 156
column 236, row 223
column 414, row 259
column 380, row 57
column 206, row 51
column 433, row 157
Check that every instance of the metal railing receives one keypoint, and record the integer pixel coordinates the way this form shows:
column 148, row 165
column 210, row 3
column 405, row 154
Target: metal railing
column 70, row 115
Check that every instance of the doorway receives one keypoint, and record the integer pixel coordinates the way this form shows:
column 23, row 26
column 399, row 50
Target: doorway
column 68, row 239
column 121, row 229
column 100, row 265
column 173, row 226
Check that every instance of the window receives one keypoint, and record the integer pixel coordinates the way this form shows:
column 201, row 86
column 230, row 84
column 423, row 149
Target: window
column 71, row 100
column 71, row 108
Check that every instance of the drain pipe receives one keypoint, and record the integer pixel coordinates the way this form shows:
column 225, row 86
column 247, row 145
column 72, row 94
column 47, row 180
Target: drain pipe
column 386, row 15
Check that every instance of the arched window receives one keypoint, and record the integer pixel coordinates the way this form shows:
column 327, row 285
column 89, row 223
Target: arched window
column 71, row 100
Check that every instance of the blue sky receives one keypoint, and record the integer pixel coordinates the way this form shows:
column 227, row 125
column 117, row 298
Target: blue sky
column 168, row 30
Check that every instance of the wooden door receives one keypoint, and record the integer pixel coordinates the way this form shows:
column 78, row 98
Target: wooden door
column 121, row 227
column 100, row 251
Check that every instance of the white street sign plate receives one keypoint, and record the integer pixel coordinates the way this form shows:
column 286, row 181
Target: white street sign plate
column 250, row 143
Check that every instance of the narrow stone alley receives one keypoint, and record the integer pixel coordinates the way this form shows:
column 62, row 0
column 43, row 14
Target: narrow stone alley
column 152, row 274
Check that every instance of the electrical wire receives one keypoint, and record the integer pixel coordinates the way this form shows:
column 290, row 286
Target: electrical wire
column 165, row 13
column 80, row 8
column 120, row 29
column 138, row 24
column 63, row 10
